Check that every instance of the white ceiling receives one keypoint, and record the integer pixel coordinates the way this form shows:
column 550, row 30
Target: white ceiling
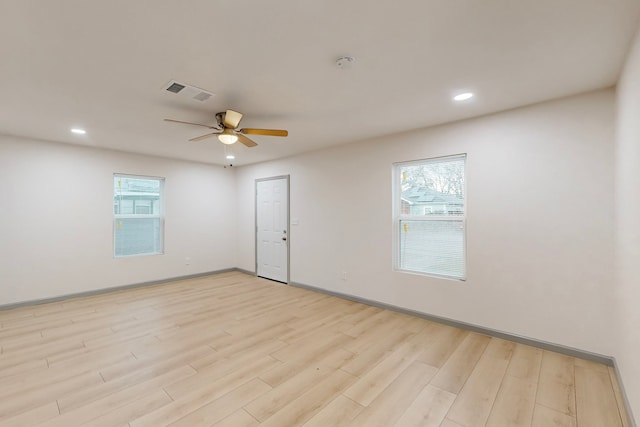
column 102, row 66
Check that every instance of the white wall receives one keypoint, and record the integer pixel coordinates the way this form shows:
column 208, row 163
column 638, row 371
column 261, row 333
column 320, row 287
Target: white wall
column 628, row 226
column 56, row 219
column 540, row 220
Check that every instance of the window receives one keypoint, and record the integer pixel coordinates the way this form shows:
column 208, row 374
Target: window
column 430, row 217
column 138, row 220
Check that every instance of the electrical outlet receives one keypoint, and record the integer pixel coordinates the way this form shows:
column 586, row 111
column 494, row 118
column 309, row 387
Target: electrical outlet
column 343, row 275
column 187, row 261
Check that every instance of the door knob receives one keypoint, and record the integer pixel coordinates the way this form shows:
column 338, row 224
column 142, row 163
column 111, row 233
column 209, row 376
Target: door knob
column 284, row 238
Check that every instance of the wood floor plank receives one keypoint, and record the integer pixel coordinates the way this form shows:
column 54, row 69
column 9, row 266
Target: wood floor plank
column 165, row 362
column 144, row 405
column 23, row 367
column 305, row 406
column 240, row 418
column 80, row 329
column 124, row 336
column 98, row 360
column 525, row 363
column 312, row 345
column 372, row 322
column 25, row 400
column 374, row 351
column 339, row 413
column 370, row 385
column 595, row 400
column 226, row 376
column 414, row 324
column 588, row 364
column 26, row 325
column 514, row 403
column 119, row 399
column 151, row 374
column 389, row 406
column 68, row 358
column 547, row 417
column 448, row 423
column 246, row 348
column 624, row 414
column 185, row 405
column 38, row 379
column 428, row 410
column 360, row 313
column 302, row 327
column 223, row 406
column 33, row 416
column 330, row 351
column 42, row 349
column 231, row 344
column 280, row 396
column 441, row 343
column 371, row 337
column 454, row 373
column 21, row 340
column 300, row 333
column 556, row 386
column 473, row 405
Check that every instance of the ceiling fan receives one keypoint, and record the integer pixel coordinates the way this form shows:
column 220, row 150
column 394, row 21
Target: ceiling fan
column 228, row 132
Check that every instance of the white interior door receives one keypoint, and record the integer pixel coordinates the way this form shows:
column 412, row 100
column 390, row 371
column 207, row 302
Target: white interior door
column 272, row 228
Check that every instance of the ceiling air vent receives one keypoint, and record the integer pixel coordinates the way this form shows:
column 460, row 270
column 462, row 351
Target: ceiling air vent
column 187, row 91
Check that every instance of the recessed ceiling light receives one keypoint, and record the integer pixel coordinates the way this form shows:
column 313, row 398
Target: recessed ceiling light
column 228, row 151
column 78, row 131
column 463, row 96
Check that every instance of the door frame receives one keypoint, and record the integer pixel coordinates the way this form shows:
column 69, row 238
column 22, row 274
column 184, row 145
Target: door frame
column 288, row 209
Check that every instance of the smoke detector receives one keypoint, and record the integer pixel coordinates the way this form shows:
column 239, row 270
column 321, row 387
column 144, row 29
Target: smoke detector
column 345, row 61
column 188, row 91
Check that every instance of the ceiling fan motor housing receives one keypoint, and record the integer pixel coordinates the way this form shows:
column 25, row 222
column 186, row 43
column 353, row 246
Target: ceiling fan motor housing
column 220, row 119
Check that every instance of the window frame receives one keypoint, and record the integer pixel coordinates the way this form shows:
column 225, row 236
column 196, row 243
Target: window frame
column 159, row 215
column 398, row 217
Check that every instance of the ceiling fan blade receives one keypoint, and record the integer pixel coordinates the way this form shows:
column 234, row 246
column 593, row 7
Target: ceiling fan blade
column 246, row 141
column 232, row 119
column 200, row 138
column 189, row 123
column 268, row 132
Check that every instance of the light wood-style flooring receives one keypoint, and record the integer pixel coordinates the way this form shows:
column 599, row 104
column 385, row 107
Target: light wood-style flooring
column 232, row 350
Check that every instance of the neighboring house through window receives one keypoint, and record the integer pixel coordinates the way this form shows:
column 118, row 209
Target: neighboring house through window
column 138, row 221
column 430, row 216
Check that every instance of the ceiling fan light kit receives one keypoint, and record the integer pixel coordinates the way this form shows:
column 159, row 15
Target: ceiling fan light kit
column 228, row 137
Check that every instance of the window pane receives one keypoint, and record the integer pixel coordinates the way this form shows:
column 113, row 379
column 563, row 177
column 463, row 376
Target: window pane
column 135, row 236
column 435, row 247
column 136, row 196
column 433, row 188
